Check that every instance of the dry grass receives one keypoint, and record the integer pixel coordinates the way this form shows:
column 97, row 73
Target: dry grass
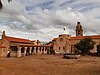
column 50, row 65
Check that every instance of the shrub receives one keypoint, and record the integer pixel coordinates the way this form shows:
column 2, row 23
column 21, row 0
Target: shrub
column 78, row 51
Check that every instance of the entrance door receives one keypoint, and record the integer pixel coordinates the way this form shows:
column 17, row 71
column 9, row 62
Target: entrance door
column 13, row 51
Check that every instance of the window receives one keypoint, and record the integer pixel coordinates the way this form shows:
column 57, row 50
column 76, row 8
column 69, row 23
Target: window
column 63, row 48
column 59, row 48
column 79, row 33
column 61, row 39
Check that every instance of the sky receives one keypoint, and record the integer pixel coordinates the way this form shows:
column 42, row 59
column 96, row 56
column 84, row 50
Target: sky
column 45, row 19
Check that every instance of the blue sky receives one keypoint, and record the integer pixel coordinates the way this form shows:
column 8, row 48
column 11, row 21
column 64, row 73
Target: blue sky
column 45, row 19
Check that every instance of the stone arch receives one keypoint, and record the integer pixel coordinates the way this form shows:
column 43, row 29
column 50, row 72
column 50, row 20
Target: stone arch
column 36, row 49
column 22, row 50
column 28, row 51
column 32, row 49
column 40, row 49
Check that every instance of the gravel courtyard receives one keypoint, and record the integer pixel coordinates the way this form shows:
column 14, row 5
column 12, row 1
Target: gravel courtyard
column 50, row 65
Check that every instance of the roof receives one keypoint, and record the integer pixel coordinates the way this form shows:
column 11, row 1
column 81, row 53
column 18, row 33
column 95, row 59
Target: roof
column 2, row 47
column 65, row 31
column 82, row 37
column 54, row 39
column 50, row 44
column 19, row 40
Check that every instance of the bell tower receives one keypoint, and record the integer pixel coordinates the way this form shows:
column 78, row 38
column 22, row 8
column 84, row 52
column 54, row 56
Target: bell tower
column 79, row 29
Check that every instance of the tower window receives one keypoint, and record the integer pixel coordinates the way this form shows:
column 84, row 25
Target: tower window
column 79, row 33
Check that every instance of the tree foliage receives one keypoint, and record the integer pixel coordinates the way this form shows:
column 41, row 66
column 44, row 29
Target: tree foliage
column 85, row 45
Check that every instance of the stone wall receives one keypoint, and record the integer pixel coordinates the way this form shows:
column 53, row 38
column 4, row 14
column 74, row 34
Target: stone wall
column 62, row 44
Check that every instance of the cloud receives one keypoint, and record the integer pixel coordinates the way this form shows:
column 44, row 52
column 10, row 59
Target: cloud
column 45, row 19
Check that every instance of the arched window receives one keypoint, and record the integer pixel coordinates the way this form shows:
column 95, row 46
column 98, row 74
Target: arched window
column 59, row 48
column 61, row 39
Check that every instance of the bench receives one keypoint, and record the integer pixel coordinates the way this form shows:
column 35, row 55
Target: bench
column 71, row 56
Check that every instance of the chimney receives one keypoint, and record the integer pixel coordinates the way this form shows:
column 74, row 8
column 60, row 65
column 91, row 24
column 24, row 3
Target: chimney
column 3, row 34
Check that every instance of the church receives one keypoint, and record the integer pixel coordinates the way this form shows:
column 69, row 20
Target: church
column 66, row 43
column 20, row 47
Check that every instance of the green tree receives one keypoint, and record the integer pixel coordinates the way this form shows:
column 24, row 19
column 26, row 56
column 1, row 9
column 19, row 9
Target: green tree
column 85, row 45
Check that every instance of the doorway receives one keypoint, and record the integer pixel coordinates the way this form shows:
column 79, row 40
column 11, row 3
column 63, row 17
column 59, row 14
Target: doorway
column 13, row 51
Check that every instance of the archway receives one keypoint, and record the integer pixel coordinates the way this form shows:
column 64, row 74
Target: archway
column 28, row 51
column 22, row 51
column 13, row 51
column 36, row 49
column 32, row 50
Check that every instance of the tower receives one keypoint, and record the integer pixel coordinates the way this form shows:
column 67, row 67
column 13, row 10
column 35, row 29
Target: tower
column 79, row 29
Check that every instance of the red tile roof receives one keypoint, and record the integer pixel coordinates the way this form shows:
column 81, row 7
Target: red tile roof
column 2, row 47
column 82, row 37
column 19, row 40
column 50, row 44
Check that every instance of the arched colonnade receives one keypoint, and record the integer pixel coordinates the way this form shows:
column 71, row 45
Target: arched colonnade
column 23, row 50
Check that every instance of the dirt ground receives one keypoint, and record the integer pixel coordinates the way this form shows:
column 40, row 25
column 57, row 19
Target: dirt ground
column 50, row 65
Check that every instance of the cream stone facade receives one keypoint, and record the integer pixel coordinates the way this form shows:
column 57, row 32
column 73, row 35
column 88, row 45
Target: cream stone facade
column 62, row 44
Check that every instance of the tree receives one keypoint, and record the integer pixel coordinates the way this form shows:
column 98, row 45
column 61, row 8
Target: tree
column 85, row 45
